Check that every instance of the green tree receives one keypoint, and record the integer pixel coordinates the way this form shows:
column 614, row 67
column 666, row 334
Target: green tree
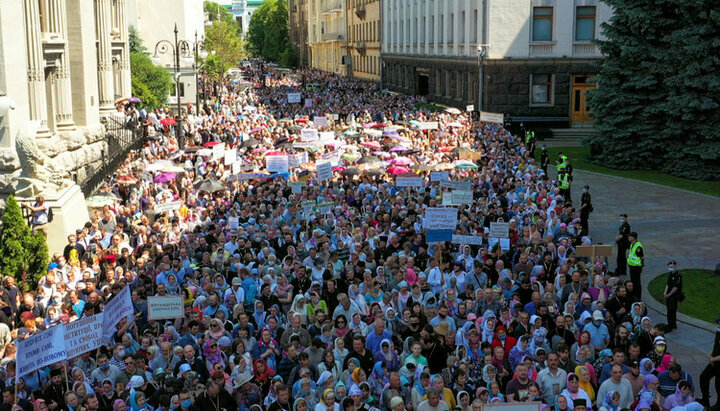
column 23, row 254
column 214, row 10
column 229, row 48
column 258, row 27
column 656, row 105
column 134, row 41
column 150, row 83
column 273, row 45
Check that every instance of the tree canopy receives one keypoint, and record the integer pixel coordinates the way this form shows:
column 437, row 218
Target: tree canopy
column 150, row 83
column 656, row 104
column 23, row 254
column 273, row 45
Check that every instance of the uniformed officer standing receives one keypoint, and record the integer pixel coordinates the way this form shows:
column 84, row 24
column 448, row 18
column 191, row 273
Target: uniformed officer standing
column 564, row 184
column 544, row 159
column 530, row 142
column 673, row 290
column 636, row 261
column 585, row 209
column 623, row 244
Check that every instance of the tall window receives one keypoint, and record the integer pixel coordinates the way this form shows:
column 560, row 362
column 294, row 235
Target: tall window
column 542, row 89
column 542, row 23
column 475, row 27
column 585, row 23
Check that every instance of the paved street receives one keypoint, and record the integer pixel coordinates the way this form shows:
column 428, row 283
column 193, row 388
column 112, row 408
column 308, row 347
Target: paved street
column 671, row 224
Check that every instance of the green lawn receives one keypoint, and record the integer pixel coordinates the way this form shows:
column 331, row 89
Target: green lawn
column 578, row 160
column 700, row 288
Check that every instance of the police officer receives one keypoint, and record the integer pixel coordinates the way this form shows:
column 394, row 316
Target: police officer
column 673, row 290
column 530, row 142
column 636, row 261
column 564, row 184
column 623, row 244
column 585, row 209
column 544, row 159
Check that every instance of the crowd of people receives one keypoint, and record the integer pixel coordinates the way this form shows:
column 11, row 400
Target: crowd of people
column 302, row 294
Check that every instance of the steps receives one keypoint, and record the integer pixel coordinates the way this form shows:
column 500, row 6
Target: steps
column 569, row 136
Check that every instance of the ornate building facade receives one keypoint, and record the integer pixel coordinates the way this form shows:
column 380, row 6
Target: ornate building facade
column 327, row 35
column 363, row 28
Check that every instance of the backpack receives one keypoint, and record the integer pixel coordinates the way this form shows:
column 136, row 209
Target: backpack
column 50, row 215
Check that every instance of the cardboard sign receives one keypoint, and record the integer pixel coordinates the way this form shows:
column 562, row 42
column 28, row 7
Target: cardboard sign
column 492, row 117
column 467, row 239
column 456, row 185
column 409, row 181
column 320, row 121
column 294, row 160
column 429, row 125
column 462, row 197
column 308, row 102
column 277, row 164
column 593, row 251
column 83, row 335
column 437, row 236
column 308, row 205
column 294, row 97
column 218, row 152
column 160, row 308
column 39, row 350
column 439, row 176
column 438, row 218
column 171, row 206
column 230, row 156
column 447, row 200
column 308, row 134
column 117, row 309
column 334, row 117
column 324, row 171
column 500, row 230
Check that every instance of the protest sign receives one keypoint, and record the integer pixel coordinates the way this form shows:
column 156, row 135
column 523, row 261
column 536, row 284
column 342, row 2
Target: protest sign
column 305, row 144
column 171, row 206
column 326, row 136
column 83, row 335
column 277, row 164
column 320, row 121
column 500, row 230
column 236, row 167
column 439, row 176
column 492, row 117
column 218, row 152
column 308, row 134
column 462, row 197
column 324, row 171
column 409, row 181
column 297, row 186
column 39, row 350
column 470, row 107
column 326, row 207
column 334, row 117
column 456, row 185
column 467, row 239
column 233, row 223
column 294, row 97
column 308, row 102
column 294, row 160
column 429, row 125
column 438, row 218
column 308, row 205
column 230, row 156
column 117, row 309
column 437, row 236
column 332, row 156
column 504, row 243
column 160, row 308
column 447, row 200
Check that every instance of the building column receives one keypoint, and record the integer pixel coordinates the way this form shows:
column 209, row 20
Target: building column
column 105, row 66
column 124, row 63
column 62, row 87
column 36, row 66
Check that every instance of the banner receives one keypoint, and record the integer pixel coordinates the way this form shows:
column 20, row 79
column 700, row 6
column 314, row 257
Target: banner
column 171, row 206
column 160, row 308
column 83, row 335
column 320, row 121
column 492, row 117
column 324, row 171
column 437, row 236
column 230, row 156
column 294, row 97
column 326, row 207
column 409, row 181
column 456, row 185
column 429, row 125
column 117, row 309
column 439, row 176
column 277, row 164
column 39, row 350
column 500, row 230
column 438, row 218
column 308, row 134
column 467, row 239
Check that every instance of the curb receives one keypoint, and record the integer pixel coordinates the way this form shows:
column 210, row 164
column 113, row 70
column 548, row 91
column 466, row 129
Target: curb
column 682, row 190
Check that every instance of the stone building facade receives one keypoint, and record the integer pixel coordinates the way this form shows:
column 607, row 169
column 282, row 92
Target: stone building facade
column 537, row 57
column 363, row 28
column 327, row 36
column 298, row 25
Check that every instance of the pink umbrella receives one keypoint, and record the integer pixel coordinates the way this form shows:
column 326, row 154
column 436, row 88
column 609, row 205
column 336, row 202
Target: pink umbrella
column 401, row 161
column 398, row 148
column 381, row 153
column 372, row 144
column 274, row 153
column 164, row 177
column 397, row 170
column 369, row 125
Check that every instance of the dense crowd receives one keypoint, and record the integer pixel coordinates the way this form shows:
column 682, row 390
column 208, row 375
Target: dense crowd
column 294, row 304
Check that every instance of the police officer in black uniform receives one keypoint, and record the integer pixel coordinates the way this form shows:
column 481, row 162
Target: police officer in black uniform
column 544, row 159
column 623, row 245
column 672, row 294
column 585, row 209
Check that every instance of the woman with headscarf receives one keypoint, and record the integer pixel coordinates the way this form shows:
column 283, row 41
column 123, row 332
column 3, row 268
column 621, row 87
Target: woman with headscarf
column 327, row 402
column 573, row 391
column 611, row 402
column 648, row 397
column 329, row 363
column 585, row 382
column 78, row 376
column 388, row 356
column 463, row 401
column 300, row 405
column 519, row 351
column 118, row 405
column 339, row 350
column 378, row 379
column 340, row 391
column 137, row 402
column 325, row 381
column 422, row 383
column 299, row 306
column 646, row 367
column 305, row 389
column 259, row 315
column 212, row 353
column 262, row 376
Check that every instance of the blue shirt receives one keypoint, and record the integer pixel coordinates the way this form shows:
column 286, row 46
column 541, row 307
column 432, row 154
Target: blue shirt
column 250, row 288
column 449, row 320
column 599, row 336
column 373, row 340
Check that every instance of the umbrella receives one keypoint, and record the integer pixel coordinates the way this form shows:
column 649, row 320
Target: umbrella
column 101, row 200
column 351, row 171
column 369, row 160
column 168, row 121
column 369, row 125
column 446, row 149
column 351, row 133
column 159, row 165
column 176, row 154
column 390, row 133
column 134, row 100
column 249, row 143
column 372, row 144
column 452, row 110
column 191, row 149
column 378, row 125
column 399, row 148
column 211, row 143
column 415, row 123
column 205, row 152
column 285, row 145
column 406, row 174
column 209, row 185
column 443, row 166
column 422, row 167
column 294, row 128
column 409, row 152
column 256, row 130
column 465, row 165
column 397, row 170
column 350, row 156
column 374, row 172
column 273, row 153
column 301, row 120
column 164, row 178
column 401, row 161
column 173, row 169
column 381, row 153
column 126, row 179
column 460, row 150
column 281, row 141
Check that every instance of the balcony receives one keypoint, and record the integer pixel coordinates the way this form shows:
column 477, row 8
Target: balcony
column 546, row 49
column 335, row 36
column 360, row 10
column 360, row 44
column 585, row 50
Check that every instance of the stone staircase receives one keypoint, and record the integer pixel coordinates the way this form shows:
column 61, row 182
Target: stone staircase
column 568, row 137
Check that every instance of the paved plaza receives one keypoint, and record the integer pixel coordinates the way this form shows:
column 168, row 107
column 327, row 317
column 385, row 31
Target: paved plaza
column 672, row 224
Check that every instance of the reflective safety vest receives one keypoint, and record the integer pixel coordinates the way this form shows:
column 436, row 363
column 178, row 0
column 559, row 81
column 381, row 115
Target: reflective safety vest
column 529, row 136
column 563, row 181
column 633, row 258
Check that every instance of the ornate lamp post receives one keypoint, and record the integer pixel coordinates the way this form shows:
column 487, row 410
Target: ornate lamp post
column 201, row 52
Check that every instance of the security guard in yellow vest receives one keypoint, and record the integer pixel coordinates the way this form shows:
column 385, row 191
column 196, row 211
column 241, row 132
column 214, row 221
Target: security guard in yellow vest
column 564, row 185
column 636, row 261
column 530, row 142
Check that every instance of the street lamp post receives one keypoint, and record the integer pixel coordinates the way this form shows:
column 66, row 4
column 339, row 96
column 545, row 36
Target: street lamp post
column 482, row 52
column 200, row 51
column 180, row 48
